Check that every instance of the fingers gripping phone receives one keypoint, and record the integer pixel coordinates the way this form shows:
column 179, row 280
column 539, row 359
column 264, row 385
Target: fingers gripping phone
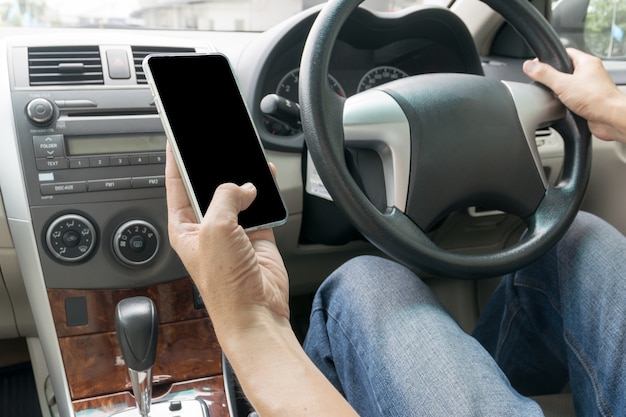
column 211, row 133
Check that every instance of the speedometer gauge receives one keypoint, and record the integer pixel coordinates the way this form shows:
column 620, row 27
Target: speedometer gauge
column 288, row 85
column 378, row 76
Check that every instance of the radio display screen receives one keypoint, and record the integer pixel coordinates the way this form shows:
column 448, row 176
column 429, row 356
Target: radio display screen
column 113, row 144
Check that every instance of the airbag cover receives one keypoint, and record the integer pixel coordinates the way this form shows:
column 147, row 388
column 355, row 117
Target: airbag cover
column 467, row 148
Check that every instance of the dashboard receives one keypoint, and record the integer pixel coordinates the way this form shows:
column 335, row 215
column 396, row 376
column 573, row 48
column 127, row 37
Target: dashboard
column 354, row 70
column 372, row 49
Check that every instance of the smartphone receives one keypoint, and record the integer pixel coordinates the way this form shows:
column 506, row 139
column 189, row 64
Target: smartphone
column 211, row 133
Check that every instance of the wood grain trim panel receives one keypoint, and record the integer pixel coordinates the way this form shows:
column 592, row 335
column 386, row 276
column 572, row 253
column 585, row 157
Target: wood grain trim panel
column 210, row 390
column 174, row 302
column 187, row 348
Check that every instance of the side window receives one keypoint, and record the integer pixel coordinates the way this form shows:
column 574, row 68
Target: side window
column 595, row 26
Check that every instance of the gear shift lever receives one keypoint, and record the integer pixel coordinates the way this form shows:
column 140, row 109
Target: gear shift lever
column 137, row 325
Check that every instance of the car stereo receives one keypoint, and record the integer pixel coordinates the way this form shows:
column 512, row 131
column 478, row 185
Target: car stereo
column 92, row 152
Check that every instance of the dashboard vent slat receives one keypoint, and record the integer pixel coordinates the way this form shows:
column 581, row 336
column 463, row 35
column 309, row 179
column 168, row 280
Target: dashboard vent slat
column 140, row 52
column 65, row 65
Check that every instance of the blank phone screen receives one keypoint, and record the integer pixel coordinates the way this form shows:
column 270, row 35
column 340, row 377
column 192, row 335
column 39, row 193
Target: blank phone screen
column 213, row 132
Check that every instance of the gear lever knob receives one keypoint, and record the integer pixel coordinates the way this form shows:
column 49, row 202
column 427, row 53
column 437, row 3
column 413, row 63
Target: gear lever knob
column 136, row 323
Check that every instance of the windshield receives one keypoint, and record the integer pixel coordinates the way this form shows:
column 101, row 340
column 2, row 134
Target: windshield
column 223, row 15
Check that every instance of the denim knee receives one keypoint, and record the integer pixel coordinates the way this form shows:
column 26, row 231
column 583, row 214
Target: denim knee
column 366, row 286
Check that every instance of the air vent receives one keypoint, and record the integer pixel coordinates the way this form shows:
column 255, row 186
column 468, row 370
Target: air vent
column 543, row 132
column 140, row 52
column 65, row 65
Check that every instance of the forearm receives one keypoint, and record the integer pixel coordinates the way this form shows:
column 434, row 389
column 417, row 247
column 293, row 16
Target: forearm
column 277, row 376
column 607, row 120
column 616, row 120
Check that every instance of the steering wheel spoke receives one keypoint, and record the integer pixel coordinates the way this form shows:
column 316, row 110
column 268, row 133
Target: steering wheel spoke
column 536, row 107
column 374, row 120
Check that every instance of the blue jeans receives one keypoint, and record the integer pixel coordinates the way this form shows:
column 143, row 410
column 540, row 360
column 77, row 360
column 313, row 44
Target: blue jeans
column 380, row 336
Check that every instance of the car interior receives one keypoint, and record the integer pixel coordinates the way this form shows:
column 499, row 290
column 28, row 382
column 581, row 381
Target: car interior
column 82, row 178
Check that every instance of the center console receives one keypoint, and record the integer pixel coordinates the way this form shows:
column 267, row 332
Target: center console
column 85, row 199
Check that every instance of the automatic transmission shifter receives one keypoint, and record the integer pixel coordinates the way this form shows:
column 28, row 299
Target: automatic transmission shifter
column 137, row 326
column 137, row 323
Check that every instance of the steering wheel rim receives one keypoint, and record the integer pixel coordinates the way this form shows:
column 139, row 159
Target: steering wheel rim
column 393, row 231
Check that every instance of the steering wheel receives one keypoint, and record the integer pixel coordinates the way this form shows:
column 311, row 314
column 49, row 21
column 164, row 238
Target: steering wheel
column 447, row 142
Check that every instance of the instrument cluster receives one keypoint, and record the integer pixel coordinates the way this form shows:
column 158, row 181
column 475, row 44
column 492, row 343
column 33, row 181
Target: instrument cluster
column 356, row 69
column 372, row 48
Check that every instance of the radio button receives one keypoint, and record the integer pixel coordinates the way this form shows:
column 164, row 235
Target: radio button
column 49, row 146
column 63, row 188
column 139, row 160
column 111, row 184
column 147, row 182
column 79, row 163
column 120, row 160
column 99, row 161
column 158, row 158
column 46, row 164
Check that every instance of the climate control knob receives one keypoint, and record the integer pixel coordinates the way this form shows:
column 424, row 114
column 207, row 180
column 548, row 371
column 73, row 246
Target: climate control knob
column 136, row 242
column 71, row 238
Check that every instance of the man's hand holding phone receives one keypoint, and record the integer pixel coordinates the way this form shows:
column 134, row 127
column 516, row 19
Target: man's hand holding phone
column 233, row 270
column 245, row 287
column 222, row 200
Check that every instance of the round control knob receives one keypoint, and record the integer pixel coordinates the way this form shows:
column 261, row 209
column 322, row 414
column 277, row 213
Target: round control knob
column 71, row 238
column 136, row 242
column 40, row 111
